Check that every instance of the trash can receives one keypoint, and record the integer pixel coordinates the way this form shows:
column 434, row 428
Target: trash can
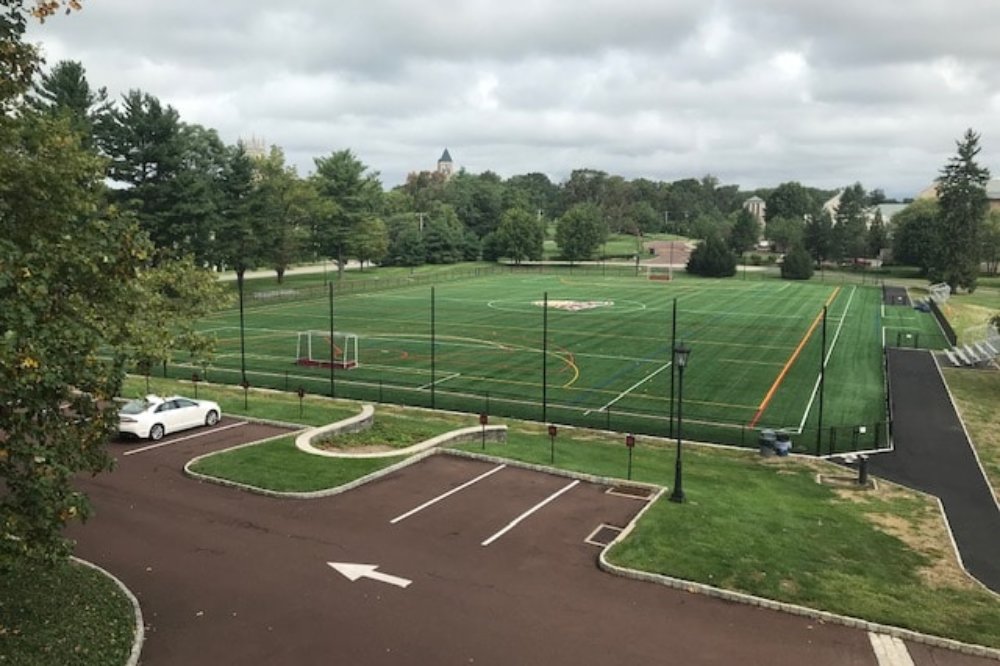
column 783, row 443
column 766, row 441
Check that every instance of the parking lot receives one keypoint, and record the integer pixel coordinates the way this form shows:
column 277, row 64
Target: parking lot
column 477, row 562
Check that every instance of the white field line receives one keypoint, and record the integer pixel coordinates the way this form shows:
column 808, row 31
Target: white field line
column 829, row 353
column 131, row 452
column 439, row 381
column 631, row 388
column 451, row 492
column 512, row 524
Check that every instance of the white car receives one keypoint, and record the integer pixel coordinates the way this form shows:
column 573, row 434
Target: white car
column 153, row 416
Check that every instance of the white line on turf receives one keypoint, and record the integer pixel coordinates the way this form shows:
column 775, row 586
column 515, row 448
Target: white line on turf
column 131, row 452
column 440, row 381
column 889, row 650
column 631, row 388
column 826, row 360
column 442, row 496
column 512, row 524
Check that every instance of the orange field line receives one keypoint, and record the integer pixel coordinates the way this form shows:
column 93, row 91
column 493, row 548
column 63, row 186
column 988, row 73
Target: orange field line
column 791, row 360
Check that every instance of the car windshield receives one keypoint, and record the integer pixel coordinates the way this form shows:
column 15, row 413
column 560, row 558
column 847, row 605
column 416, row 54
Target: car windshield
column 134, row 407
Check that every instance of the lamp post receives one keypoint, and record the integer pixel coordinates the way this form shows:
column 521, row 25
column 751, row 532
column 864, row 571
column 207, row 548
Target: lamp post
column 681, row 353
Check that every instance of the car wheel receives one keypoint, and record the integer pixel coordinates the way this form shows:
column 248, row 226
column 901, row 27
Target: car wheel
column 212, row 418
column 156, row 432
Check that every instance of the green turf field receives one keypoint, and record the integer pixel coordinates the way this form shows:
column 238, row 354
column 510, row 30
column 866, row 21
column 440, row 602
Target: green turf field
column 606, row 362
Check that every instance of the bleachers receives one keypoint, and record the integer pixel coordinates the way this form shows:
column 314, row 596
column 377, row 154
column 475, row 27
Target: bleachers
column 975, row 354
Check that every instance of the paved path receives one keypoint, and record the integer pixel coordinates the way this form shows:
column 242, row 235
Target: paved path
column 933, row 454
column 228, row 577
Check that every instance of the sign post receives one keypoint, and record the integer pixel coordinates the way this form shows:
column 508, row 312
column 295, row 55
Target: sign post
column 194, row 380
column 553, row 431
column 630, row 444
column 246, row 389
column 483, row 420
column 302, row 394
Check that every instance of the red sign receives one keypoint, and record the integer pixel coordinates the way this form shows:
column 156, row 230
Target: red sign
column 483, row 419
column 302, row 392
column 195, row 377
column 552, row 431
column 630, row 440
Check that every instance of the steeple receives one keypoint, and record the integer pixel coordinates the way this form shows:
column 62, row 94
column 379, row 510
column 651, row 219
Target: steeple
column 445, row 166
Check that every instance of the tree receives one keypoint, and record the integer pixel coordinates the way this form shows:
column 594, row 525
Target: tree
column 849, row 233
column 285, row 204
column 785, row 232
column 69, row 268
column 242, row 240
column 349, row 193
column 406, row 242
column 520, row 236
column 370, row 241
column 797, row 264
column 146, row 151
column 914, row 236
column 712, row 258
column 580, row 231
column 443, row 237
column 963, row 204
column 65, row 90
column 817, row 236
column 878, row 236
column 991, row 242
column 789, row 200
column 745, row 232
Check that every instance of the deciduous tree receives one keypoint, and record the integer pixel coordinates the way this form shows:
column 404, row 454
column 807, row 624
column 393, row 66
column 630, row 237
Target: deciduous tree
column 580, row 231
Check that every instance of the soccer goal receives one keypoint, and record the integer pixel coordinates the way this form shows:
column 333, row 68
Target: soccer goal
column 318, row 348
column 664, row 273
column 939, row 292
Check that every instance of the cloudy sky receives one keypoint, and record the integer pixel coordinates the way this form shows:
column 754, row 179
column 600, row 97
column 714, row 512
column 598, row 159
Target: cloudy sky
column 755, row 92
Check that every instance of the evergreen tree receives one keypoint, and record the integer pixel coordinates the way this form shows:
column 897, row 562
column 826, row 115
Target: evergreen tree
column 746, row 231
column 65, row 90
column 818, row 235
column 963, row 205
column 849, row 233
column 712, row 258
column 878, row 237
column 797, row 264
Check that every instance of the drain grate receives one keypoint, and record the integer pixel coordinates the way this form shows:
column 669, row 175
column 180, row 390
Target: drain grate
column 603, row 535
column 632, row 492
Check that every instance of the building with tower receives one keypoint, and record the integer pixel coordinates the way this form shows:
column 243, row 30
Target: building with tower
column 445, row 166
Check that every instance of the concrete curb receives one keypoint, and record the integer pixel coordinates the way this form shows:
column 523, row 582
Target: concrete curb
column 355, row 423
column 140, row 630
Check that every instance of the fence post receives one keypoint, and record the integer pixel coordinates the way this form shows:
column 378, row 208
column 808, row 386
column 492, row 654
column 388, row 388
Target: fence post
column 833, row 440
column 607, row 418
column 380, row 389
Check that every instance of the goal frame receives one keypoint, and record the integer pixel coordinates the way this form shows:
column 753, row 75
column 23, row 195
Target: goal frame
column 312, row 348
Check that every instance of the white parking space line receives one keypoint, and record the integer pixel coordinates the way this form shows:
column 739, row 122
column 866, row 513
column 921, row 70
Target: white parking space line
column 451, row 492
column 890, row 650
column 141, row 449
column 512, row 524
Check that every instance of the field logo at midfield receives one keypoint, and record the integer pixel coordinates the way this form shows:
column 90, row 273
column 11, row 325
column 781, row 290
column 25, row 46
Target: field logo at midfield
column 575, row 306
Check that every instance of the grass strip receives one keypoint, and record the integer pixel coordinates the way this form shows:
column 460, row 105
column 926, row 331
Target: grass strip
column 278, row 465
column 764, row 526
column 977, row 394
column 67, row 614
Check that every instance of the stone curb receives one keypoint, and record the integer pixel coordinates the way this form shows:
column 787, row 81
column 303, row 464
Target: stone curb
column 761, row 602
column 355, row 423
column 140, row 630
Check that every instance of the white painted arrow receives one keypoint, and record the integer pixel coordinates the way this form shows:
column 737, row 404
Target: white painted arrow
column 353, row 572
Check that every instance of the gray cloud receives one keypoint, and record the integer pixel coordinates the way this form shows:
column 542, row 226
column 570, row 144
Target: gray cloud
column 753, row 91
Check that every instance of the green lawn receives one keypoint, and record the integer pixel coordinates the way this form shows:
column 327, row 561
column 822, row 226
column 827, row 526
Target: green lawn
column 69, row 614
column 278, row 465
column 977, row 394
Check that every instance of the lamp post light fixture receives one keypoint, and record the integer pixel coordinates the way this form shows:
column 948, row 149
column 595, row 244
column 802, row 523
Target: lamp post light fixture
column 681, row 354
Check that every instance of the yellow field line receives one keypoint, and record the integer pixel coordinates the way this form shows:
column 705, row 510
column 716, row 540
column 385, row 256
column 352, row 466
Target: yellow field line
column 791, row 360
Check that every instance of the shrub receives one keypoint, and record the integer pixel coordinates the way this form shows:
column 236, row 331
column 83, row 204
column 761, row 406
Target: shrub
column 798, row 265
column 713, row 258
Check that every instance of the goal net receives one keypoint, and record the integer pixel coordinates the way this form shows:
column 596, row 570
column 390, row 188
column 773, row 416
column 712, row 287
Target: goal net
column 664, row 273
column 318, row 348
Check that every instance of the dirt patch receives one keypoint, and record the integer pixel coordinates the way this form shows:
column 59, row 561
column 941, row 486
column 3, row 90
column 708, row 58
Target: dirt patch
column 361, row 448
column 922, row 529
column 674, row 253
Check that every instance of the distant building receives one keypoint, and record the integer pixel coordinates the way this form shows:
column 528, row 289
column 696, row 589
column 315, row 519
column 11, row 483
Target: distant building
column 255, row 147
column 992, row 193
column 445, row 166
column 758, row 208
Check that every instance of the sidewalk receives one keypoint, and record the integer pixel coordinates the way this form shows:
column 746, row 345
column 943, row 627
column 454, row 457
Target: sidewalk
column 305, row 269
